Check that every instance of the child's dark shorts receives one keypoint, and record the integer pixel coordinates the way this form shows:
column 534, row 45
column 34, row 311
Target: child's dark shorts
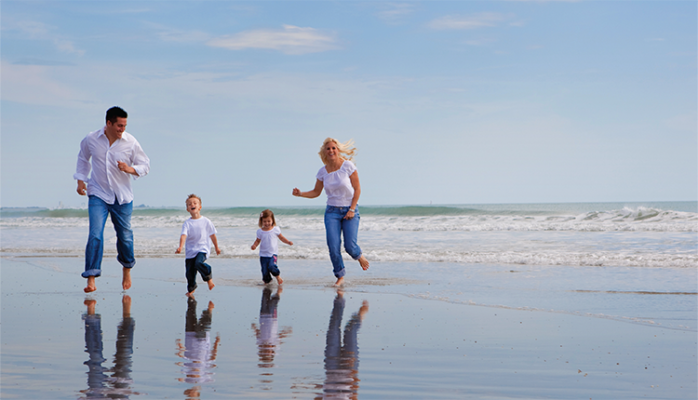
column 269, row 268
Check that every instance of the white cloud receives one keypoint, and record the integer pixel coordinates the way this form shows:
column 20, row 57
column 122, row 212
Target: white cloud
column 39, row 85
column 395, row 11
column 36, row 30
column 289, row 40
column 473, row 21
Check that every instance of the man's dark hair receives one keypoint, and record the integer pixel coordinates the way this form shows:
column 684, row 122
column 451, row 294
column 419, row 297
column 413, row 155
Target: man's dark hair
column 114, row 113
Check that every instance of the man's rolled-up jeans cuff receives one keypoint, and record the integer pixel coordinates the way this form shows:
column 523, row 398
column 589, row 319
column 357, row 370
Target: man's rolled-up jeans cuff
column 92, row 272
column 127, row 265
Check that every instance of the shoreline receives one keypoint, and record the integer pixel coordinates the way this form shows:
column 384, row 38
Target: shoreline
column 407, row 347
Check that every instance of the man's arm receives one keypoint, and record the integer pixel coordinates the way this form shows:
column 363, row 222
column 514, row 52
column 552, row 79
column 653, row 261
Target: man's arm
column 140, row 165
column 82, row 170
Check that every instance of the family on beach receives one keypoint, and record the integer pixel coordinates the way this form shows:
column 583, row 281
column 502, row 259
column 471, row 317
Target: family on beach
column 109, row 157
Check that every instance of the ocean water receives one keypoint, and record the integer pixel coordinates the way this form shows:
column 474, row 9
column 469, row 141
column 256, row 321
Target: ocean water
column 643, row 235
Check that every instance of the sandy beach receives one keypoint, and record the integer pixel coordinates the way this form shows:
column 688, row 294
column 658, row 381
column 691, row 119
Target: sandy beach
column 307, row 341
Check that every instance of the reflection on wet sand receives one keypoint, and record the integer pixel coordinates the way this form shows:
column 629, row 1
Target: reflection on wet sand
column 118, row 385
column 342, row 360
column 197, row 349
column 268, row 335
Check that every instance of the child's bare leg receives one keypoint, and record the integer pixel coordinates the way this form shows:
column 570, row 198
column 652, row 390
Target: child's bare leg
column 90, row 285
column 279, row 280
column 126, row 281
column 210, row 284
column 364, row 262
column 340, row 281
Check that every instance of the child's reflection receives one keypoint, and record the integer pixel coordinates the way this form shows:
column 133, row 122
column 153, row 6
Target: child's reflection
column 117, row 385
column 268, row 335
column 197, row 349
column 342, row 361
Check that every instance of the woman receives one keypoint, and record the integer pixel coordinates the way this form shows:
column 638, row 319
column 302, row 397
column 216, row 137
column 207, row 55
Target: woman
column 340, row 180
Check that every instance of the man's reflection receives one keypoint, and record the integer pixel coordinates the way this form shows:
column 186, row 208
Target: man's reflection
column 268, row 335
column 197, row 349
column 342, row 360
column 100, row 385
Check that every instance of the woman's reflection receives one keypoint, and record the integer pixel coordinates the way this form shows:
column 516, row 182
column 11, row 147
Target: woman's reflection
column 100, row 385
column 197, row 349
column 268, row 335
column 342, row 361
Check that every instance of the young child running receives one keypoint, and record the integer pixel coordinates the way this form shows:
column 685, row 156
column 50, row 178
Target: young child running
column 267, row 236
column 196, row 232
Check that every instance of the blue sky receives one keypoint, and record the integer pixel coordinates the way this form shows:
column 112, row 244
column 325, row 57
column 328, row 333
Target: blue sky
column 448, row 102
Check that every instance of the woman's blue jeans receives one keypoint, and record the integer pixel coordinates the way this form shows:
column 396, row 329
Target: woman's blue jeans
column 336, row 227
column 120, row 214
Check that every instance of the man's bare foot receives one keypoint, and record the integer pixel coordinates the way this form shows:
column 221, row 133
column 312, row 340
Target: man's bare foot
column 340, row 281
column 279, row 280
column 190, row 295
column 90, row 303
column 126, row 282
column 364, row 262
column 210, row 284
column 90, row 285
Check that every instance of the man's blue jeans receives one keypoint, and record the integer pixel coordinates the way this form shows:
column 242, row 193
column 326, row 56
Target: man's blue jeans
column 335, row 227
column 121, row 218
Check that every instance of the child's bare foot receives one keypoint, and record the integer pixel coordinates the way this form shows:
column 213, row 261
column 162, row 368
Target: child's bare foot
column 363, row 310
column 126, row 282
column 190, row 295
column 210, row 284
column 90, row 285
column 340, row 281
column 279, row 280
column 364, row 262
column 210, row 305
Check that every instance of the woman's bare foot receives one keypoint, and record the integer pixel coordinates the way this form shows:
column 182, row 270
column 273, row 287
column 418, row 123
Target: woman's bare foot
column 210, row 284
column 90, row 285
column 340, row 282
column 279, row 280
column 126, row 306
column 364, row 262
column 126, row 282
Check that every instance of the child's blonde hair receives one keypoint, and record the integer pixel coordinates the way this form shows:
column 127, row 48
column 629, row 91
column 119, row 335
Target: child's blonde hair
column 193, row 196
column 346, row 149
column 267, row 214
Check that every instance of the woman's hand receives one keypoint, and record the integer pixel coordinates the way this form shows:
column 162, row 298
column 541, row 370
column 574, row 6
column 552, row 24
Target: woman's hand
column 296, row 192
column 349, row 215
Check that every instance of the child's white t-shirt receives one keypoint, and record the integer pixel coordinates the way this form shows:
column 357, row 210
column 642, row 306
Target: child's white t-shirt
column 338, row 185
column 269, row 244
column 198, row 233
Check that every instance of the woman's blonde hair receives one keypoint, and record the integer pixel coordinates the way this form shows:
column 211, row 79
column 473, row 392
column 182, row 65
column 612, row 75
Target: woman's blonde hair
column 267, row 214
column 346, row 149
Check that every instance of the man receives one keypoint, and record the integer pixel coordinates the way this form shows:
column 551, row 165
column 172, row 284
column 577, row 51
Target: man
column 114, row 156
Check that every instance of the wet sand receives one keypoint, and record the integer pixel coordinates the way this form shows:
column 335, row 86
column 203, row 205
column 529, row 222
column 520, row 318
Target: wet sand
column 307, row 341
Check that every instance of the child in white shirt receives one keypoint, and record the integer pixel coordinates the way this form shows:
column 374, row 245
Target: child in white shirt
column 267, row 236
column 196, row 232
